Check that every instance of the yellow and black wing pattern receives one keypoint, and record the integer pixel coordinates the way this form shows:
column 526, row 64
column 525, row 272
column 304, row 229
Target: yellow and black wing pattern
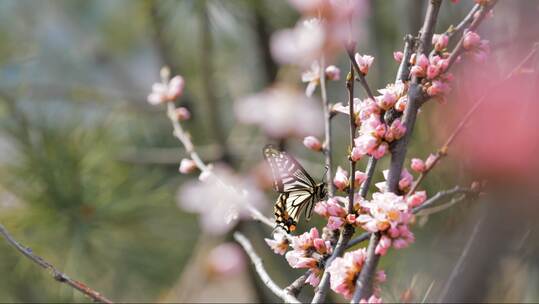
column 298, row 191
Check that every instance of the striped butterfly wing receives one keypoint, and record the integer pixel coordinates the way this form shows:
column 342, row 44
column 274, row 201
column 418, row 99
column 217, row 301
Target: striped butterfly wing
column 296, row 186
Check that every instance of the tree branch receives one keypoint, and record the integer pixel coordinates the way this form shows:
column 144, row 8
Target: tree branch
column 350, row 89
column 56, row 274
column 259, row 267
column 327, row 129
column 295, row 287
column 364, row 282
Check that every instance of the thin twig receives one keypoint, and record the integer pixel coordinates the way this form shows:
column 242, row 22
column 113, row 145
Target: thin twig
column 442, row 152
column 434, row 200
column 56, row 274
column 259, row 267
column 360, row 75
column 458, row 267
column 350, row 88
column 327, row 129
column 295, row 287
column 364, row 282
column 185, row 139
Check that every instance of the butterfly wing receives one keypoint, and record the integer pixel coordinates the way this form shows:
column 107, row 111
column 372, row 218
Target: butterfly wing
column 288, row 174
column 296, row 186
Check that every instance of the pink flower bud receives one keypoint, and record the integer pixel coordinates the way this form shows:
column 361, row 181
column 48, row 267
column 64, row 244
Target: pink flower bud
column 175, row 87
column 418, row 165
column 417, row 71
column 380, row 151
column 440, row 41
column 387, row 100
column 320, row 246
column 423, row 61
column 400, row 243
column 380, row 276
column 356, row 154
column 187, row 166
column 182, row 113
column 393, row 232
column 364, row 62
column 398, row 56
column 359, row 178
column 471, row 40
column 333, row 73
column 335, row 223
column 341, row 179
column 312, row 143
column 416, row 199
column 432, row 71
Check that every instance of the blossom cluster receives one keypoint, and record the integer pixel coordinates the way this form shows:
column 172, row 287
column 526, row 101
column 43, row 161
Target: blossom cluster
column 309, row 251
column 345, row 270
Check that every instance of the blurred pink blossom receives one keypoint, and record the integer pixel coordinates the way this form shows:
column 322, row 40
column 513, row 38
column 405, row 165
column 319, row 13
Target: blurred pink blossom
column 471, row 40
column 333, row 73
column 312, row 143
column 418, row 165
column 187, row 166
column 182, row 113
column 300, row 45
column 226, row 259
column 281, row 112
column 398, row 56
column 345, row 270
column 312, row 78
column 220, row 206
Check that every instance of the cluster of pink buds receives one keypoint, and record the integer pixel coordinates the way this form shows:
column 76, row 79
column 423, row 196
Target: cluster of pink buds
column 420, row 166
column 168, row 90
column 334, row 210
column 374, row 133
column 308, row 251
column 342, row 181
column 405, row 181
column 433, row 71
column 345, row 270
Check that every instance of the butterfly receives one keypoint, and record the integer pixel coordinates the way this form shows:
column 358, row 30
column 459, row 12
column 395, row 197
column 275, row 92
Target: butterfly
column 297, row 189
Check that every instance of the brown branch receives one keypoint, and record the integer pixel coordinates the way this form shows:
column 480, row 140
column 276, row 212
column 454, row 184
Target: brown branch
column 360, row 75
column 55, row 273
column 364, row 282
column 259, row 267
column 350, row 89
column 295, row 287
column 442, row 152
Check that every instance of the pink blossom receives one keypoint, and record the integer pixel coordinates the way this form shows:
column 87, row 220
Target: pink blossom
column 344, row 271
column 393, row 232
column 383, row 245
column 364, row 62
column 301, row 45
column 187, row 166
column 417, row 71
column 380, row 151
column 312, row 143
column 312, row 77
column 437, row 88
column 406, row 180
column 385, row 210
column 418, row 165
column 182, row 113
column 279, row 243
column 351, row 218
column 167, row 90
column 397, row 129
column 333, row 73
column 321, row 246
column 329, row 208
column 281, row 111
column 387, row 100
column 416, row 199
column 341, row 179
column 380, row 276
column 398, row 56
column 335, row 223
column 356, row 154
column 471, row 40
column 400, row 243
column 401, row 104
column 440, row 41
column 296, row 259
column 423, row 61
column 432, row 71
column 313, row 279
column 226, row 259
column 366, row 143
column 359, row 178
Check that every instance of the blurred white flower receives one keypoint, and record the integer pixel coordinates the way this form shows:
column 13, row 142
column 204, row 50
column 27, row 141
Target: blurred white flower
column 221, row 199
column 300, row 45
column 281, row 112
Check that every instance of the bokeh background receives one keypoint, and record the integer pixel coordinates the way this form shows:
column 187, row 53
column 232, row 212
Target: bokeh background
column 89, row 170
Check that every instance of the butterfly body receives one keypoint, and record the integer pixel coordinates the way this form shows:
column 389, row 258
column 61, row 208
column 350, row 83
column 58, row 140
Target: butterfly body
column 297, row 190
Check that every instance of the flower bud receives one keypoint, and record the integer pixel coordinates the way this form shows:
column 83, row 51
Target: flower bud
column 312, row 143
column 187, row 166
